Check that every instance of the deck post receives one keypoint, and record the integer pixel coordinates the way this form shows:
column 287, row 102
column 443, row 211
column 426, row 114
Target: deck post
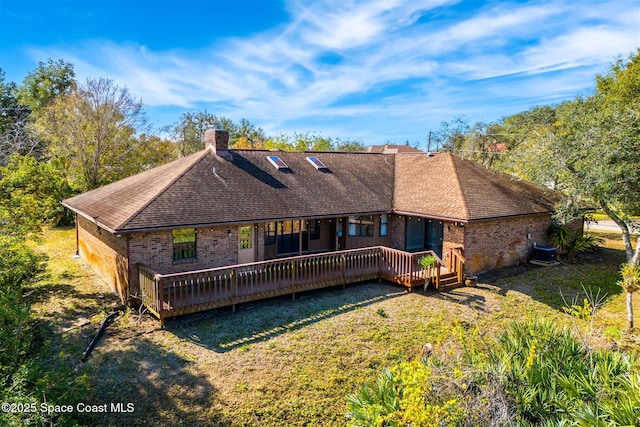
column 234, row 290
column 293, row 274
column 159, row 285
column 438, row 277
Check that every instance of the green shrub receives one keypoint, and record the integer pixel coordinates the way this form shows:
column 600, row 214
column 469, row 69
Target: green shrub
column 536, row 375
column 30, row 195
column 570, row 242
column 18, row 265
column 403, row 396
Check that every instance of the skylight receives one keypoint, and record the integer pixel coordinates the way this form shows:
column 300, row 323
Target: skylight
column 277, row 162
column 316, row 162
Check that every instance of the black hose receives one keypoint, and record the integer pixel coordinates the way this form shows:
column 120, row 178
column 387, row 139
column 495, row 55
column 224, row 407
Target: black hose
column 95, row 339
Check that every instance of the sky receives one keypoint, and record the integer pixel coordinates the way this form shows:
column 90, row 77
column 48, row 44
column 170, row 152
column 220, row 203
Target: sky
column 378, row 72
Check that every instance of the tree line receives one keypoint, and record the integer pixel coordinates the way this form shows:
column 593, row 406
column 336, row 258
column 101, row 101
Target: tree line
column 97, row 132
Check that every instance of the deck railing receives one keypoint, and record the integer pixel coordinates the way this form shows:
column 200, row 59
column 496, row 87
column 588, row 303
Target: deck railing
column 168, row 295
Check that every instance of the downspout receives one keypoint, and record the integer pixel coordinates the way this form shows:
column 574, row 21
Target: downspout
column 77, row 254
column 127, row 236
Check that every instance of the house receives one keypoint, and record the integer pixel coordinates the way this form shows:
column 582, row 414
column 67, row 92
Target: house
column 222, row 207
column 392, row 149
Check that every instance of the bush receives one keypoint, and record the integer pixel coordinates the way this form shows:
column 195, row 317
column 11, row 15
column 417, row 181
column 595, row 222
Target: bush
column 570, row 242
column 402, row 396
column 30, row 195
column 18, row 266
column 537, row 374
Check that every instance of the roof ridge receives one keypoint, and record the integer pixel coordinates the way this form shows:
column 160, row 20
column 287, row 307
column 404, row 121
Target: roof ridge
column 187, row 167
column 460, row 189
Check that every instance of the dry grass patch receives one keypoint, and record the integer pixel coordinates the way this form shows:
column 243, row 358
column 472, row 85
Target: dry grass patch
column 279, row 362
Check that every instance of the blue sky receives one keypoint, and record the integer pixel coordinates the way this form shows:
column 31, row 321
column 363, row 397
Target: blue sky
column 376, row 71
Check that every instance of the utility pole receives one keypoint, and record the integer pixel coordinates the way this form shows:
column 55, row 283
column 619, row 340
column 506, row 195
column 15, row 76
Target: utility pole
column 429, row 143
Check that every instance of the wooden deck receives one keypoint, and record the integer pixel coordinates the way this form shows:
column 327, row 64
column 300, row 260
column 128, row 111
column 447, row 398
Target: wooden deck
column 168, row 295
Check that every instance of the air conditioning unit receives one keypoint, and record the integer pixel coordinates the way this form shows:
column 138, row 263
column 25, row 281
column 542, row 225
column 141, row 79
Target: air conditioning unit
column 544, row 253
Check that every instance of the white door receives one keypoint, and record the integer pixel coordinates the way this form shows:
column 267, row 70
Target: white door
column 246, row 250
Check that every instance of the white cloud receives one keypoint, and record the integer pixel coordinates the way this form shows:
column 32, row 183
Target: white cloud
column 391, row 60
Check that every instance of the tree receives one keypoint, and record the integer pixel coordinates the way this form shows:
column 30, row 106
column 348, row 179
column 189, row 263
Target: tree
column 480, row 144
column 91, row 128
column 14, row 118
column 589, row 149
column 30, row 194
column 451, row 135
column 247, row 135
column 348, row 145
column 188, row 132
column 304, row 142
column 50, row 80
column 19, row 105
column 620, row 92
column 151, row 151
column 523, row 134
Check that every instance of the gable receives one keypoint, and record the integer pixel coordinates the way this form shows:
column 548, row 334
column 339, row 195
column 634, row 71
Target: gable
column 446, row 186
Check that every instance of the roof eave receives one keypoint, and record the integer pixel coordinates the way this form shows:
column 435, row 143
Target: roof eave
column 248, row 221
column 90, row 218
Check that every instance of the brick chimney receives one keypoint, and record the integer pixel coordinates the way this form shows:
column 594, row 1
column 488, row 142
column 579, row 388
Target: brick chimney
column 218, row 139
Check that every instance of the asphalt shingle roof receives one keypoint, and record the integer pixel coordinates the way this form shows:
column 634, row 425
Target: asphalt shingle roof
column 446, row 186
column 245, row 188
column 205, row 189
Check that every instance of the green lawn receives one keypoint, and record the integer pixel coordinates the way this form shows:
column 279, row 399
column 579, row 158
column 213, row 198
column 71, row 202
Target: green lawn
column 281, row 362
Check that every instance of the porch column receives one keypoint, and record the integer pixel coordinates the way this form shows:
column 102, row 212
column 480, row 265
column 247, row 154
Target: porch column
column 300, row 223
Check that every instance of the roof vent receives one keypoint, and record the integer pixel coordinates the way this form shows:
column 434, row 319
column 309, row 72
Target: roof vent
column 316, row 163
column 277, row 162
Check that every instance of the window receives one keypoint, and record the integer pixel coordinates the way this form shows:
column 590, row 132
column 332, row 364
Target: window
column 184, row 244
column 277, row 162
column 384, row 225
column 289, row 236
column 246, row 237
column 314, row 229
column 361, row 226
column 270, row 234
column 316, row 162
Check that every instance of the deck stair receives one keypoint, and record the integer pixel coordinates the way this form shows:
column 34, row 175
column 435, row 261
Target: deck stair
column 449, row 281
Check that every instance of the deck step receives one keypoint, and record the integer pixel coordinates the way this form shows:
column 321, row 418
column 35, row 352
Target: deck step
column 448, row 281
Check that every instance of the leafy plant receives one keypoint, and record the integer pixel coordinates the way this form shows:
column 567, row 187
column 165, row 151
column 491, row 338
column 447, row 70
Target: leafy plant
column 403, row 396
column 428, row 264
column 18, row 265
column 536, row 374
column 570, row 242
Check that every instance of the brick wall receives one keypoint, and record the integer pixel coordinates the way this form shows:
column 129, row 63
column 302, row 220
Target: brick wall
column 453, row 237
column 105, row 253
column 495, row 244
column 397, row 223
column 214, row 248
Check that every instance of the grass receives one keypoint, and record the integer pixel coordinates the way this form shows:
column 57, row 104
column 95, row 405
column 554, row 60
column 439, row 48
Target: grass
column 281, row 362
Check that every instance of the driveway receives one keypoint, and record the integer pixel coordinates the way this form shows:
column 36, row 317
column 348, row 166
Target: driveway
column 604, row 225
